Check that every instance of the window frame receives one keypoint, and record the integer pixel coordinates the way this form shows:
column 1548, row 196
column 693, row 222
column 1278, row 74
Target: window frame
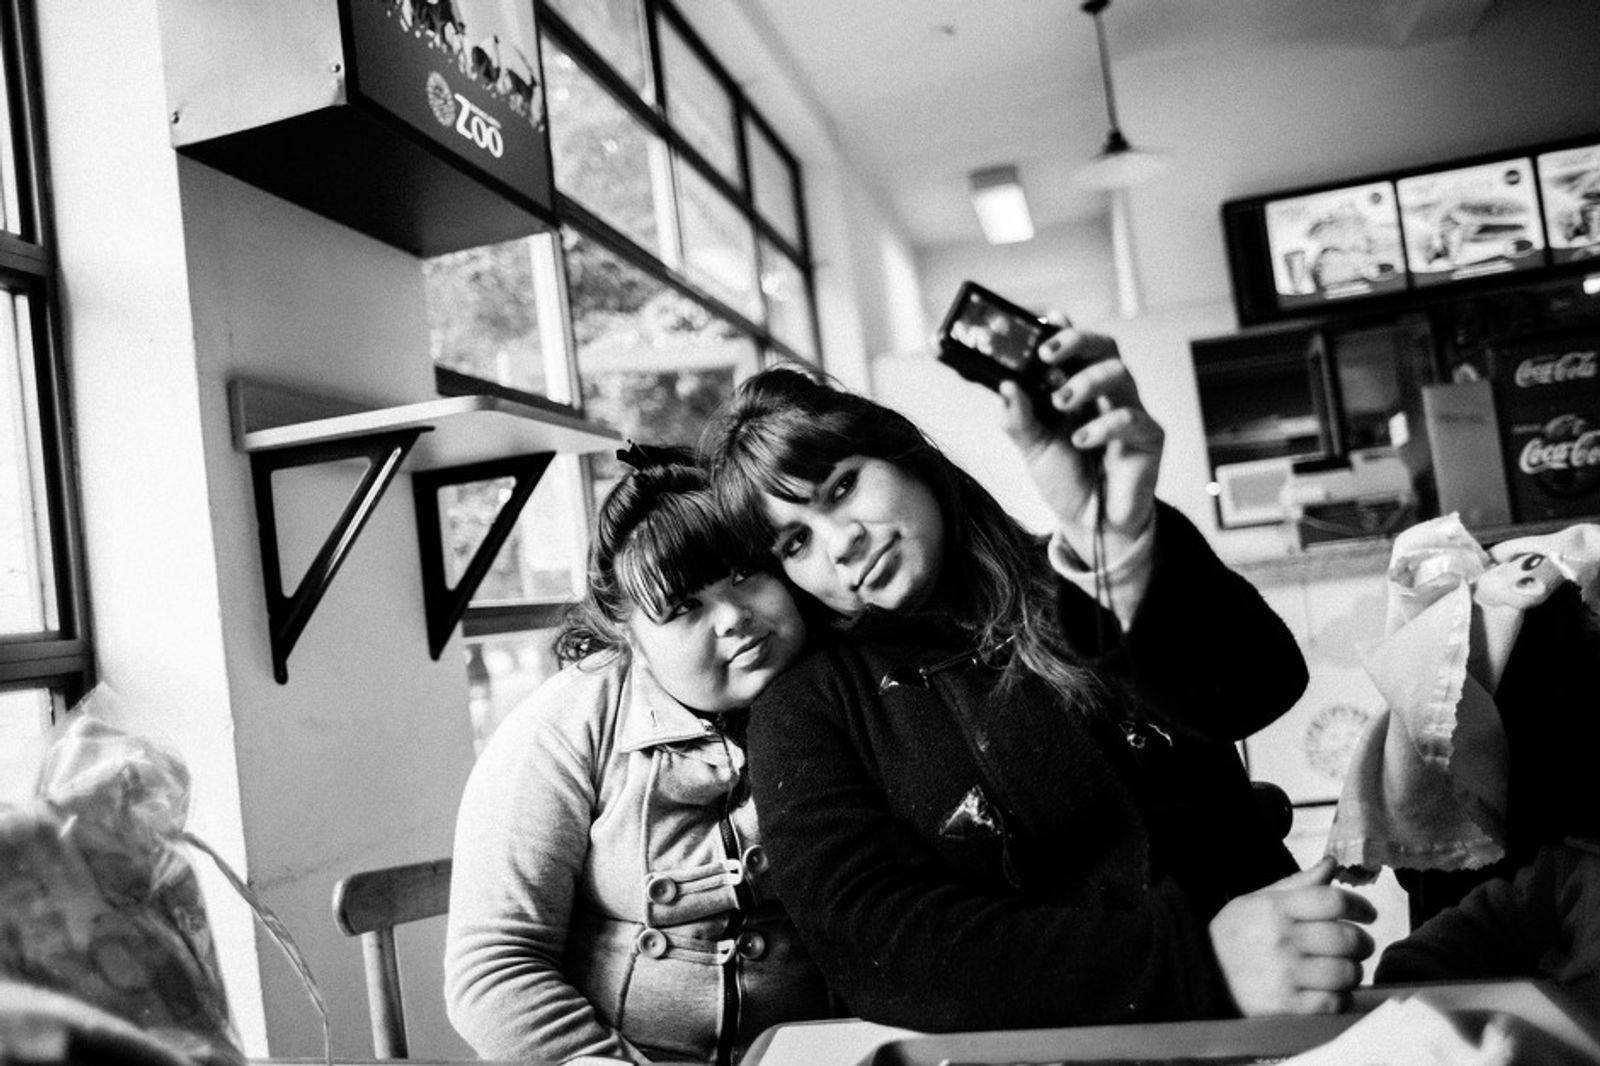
column 653, row 115
column 800, row 253
column 60, row 660
column 651, row 111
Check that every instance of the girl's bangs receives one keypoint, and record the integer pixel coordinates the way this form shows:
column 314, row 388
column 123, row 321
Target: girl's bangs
column 682, row 546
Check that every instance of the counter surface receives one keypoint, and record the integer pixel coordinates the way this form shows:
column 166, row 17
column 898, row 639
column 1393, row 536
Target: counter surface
column 1539, row 1004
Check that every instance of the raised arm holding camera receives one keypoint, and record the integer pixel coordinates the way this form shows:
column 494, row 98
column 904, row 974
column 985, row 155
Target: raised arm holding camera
column 997, row 801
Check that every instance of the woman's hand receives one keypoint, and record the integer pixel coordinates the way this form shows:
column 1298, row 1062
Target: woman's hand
column 1100, row 419
column 1291, row 948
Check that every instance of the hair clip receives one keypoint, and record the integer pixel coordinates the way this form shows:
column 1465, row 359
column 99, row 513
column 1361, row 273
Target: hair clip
column 634, row 455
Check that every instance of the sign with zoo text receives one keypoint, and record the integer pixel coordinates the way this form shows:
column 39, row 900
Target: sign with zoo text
column 462, row 73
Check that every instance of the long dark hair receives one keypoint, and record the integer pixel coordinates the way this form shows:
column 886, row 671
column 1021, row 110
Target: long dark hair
column 657, row 537
column 783, row 433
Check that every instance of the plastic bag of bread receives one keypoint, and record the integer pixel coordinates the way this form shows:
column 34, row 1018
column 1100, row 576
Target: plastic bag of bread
column 99, row 901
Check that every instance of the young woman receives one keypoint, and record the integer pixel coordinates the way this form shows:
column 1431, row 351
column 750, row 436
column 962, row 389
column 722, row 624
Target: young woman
column 991, row 800
column 610, row 893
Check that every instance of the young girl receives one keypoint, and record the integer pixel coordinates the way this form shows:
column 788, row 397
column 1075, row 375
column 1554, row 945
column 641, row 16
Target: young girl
column 991, row 800
column 610, row 891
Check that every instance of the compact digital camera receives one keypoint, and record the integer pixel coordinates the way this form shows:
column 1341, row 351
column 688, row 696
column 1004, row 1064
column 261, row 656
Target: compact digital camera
column 988, row 339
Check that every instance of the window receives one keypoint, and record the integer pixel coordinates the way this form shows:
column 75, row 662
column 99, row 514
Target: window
column 616, row 30
column 680, row 268
column 606, row 159
column 774, row 183
column 719, row 248
column 788, row 298
column 484, row 316
column 45, row 660
column 653, row 363
column 698, row 106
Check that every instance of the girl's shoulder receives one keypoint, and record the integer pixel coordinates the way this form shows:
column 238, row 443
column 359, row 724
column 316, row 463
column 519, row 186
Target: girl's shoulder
column 578, row 704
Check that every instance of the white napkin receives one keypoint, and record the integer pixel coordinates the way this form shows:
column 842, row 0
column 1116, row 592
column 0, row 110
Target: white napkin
column 1426, row 785
column 1408, row 1032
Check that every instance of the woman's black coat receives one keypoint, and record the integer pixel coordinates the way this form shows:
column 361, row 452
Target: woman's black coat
column 961, row 859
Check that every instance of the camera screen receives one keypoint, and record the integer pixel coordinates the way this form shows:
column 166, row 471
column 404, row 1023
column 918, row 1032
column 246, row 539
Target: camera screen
column 995, row 332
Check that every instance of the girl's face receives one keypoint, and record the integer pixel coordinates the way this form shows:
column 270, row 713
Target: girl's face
column 870, row 536
column 717, row 648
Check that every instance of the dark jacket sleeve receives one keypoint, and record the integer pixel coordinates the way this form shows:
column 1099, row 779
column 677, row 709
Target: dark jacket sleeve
column 902, row 941
column 1502, row 928
column 1204, row 650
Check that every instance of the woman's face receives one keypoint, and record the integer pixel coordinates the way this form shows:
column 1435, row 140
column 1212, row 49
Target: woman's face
column 870, row 536
column 717, row 648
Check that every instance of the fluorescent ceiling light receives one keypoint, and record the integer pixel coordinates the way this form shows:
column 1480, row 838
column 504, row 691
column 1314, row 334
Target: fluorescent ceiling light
column 1002, row 206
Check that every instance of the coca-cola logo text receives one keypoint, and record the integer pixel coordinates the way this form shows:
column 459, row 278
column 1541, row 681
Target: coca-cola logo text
column 1539, row 455
column 1555, row 369
column 1559, row 460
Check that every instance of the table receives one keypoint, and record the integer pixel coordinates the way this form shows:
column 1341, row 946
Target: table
column 851, row 1041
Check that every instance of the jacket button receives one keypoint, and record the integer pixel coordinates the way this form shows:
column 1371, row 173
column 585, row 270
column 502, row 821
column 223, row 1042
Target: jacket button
column 661, row 889
column 755, row 859
column 651, row 942
column 752, row 945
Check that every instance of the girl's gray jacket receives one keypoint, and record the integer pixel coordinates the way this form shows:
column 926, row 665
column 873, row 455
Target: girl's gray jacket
column 610, row 893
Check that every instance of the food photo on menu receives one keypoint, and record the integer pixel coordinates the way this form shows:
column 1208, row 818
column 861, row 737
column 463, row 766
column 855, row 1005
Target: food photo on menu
column 1569, row 182
column 1471, row 221
column 1335, row 244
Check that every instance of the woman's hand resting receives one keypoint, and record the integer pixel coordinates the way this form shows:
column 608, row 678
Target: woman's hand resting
column 1293, row 947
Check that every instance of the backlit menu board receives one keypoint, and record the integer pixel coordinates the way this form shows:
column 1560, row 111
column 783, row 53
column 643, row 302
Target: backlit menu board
column 1569, row 183
column 1471, row 221
column 1335, row 244
column 1406, row 238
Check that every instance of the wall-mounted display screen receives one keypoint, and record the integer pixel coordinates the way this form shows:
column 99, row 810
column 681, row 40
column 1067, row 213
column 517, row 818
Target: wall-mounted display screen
column 1471, row 221
column 1408, row 237
column 1569, row 183
column 1335, row 245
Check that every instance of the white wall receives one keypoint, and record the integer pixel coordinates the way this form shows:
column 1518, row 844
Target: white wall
column 153, row 559
column 1289, row 115
column 359, row 760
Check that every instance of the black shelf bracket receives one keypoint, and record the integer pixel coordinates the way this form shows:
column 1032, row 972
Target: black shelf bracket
column 450, row 440
column 287, row 615
column 444, row 605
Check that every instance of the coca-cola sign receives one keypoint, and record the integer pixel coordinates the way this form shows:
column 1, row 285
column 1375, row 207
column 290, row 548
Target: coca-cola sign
column 1563, row 458
column 1537, row 371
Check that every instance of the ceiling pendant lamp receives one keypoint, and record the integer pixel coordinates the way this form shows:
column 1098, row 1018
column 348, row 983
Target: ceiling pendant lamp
column 1119, row 165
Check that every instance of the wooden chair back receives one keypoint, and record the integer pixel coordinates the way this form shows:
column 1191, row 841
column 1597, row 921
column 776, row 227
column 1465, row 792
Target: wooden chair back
column 370, row 904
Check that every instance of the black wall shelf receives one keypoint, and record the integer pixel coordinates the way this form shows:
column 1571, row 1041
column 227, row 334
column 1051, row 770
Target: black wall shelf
column 446, row 441
column 368, row 112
